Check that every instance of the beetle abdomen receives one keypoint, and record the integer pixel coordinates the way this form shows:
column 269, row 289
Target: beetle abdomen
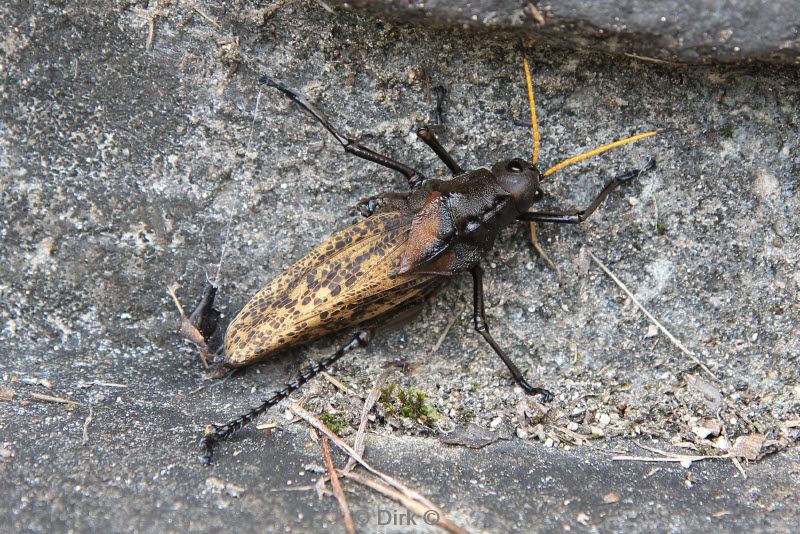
column 348, row 280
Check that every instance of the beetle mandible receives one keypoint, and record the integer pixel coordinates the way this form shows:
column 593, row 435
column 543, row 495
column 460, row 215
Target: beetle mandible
column 385, row 266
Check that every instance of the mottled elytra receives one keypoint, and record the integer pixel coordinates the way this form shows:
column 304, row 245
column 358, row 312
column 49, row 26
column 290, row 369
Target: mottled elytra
column 383, row 268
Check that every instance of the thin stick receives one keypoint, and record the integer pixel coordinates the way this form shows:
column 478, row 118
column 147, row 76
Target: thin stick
column 319, row 425
column 447, row 328
column 738, row 465
column 432, row 517
column 151, row 26
column 50, row 398
column 372, row 398
column 674, row 459
column 86, row 424
column 653, row 319
column 171, row 292
column 207, row 17
column 107, row 384
column 338, row 491
column 651, row 59
column 338, row 383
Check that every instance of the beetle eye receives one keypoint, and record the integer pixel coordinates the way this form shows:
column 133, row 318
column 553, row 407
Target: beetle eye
column 514, row 166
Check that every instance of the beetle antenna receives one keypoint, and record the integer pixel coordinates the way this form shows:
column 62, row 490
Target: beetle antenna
column 216, row 433
column 534, row 122
column 599, row 150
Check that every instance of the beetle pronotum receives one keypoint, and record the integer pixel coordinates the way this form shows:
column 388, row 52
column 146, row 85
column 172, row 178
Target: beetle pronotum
column 386, row 265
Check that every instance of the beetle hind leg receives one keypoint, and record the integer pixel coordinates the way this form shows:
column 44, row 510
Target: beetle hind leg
column 216, row 433
column 483, row 329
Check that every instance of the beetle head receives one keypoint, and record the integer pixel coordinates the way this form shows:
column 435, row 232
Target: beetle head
column 521, row 180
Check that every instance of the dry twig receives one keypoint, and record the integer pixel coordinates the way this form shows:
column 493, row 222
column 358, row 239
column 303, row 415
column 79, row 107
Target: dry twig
column 50, row 398
column 86, row 424
column 338, row 383
column 431, row 516
column 685, row 460
column 338, row 491
column 372, row 398
column 447, row 328
column 205, row 16
column 398, row 487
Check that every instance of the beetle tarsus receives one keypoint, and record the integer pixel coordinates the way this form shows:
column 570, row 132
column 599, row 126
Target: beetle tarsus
column 546, row 394
column 479, row 316
column 215, row 433
column 575, row 217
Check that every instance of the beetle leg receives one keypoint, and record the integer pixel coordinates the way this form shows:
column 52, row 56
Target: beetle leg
column 479, row 316
column 414, row 177
column 580, row 216
column 426, row 134
column 439, row 92
column 215, row 433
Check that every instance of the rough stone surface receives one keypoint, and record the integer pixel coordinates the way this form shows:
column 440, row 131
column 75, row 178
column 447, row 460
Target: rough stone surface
column 692, row 31
column 122, row 171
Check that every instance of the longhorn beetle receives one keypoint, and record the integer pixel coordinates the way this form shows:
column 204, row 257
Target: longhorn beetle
column 383, row 268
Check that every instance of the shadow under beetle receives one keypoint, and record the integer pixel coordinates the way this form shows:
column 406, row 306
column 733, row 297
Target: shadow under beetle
column 383, row 268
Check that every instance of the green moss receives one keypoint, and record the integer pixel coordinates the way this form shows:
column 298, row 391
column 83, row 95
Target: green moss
column 335, row 423
column 727, row 132
column 661, row 228
column 408, row 403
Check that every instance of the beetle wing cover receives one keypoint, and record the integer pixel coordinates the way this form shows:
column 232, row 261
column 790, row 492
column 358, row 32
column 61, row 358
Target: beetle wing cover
column 348, row 280
column 429, row 237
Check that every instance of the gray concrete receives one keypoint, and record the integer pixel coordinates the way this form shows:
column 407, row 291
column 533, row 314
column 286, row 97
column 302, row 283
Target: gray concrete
column 121, row 169
column 686, row 31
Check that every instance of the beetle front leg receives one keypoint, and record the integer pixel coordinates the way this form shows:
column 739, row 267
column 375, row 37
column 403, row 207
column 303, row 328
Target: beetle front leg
column 576, row 217
column 479, row 316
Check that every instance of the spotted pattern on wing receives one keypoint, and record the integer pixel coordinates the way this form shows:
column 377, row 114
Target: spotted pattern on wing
column 350, row 279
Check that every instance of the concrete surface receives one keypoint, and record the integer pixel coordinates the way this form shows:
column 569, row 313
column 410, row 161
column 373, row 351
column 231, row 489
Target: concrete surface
column 123, row 169
column 686, row 31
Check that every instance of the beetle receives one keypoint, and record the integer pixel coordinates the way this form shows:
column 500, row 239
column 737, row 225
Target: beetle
column 384, row 267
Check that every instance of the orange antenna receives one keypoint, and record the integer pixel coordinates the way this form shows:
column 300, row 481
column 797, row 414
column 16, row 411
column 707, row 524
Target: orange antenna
column 599, row 150
column 534, row 122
